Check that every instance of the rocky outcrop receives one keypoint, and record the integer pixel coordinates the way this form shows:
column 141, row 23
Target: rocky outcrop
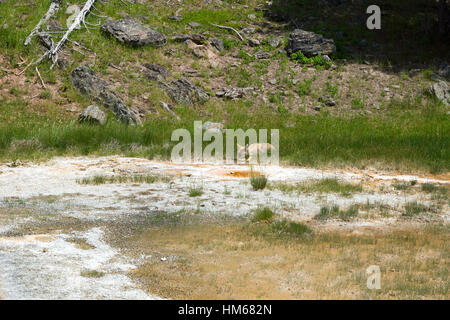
column 85, row 80
column 197, row 38
column 309, row 43
column 132, row 32
column 441, row 91
column 234, row 93
column 183, row 91
column 93, row 115
column 155, row 72
column 218, row 44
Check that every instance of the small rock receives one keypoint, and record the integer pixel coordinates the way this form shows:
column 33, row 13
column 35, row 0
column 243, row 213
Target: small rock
column 444, row 70
column 441, row 91
column 273, row 81
column 309, row 43
column 132, row 32
column 234, row 93
column 252, row 16
column 174, row 18
column 317, row 108
column 436, row 77
column 213, row 127
column 274, row 43
column 194, row 24
column 248, row 30
column 328, row 101
column 262, row 55
column 200, row 51
column 254, row 42
column 197, row 38
column 218, row 44
column 326, row 58
column 93, row 115
column 155, row 72
column 183, row 91
column 15, row 164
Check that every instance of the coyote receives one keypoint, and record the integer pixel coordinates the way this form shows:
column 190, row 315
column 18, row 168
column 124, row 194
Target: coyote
column 251, row 151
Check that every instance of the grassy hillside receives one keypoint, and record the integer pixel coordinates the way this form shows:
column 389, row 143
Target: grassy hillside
column 382, row 117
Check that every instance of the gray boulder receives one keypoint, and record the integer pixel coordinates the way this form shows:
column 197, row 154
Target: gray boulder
column 309, row 43
column 218, row 44
column 155, row 72
column 195, row 37
column 440, row 90
column 444, row 70
column 92, row 114
column 262, row 55
column 234, row 93
column 132, row 32
column 183, row 91
column 85, row 80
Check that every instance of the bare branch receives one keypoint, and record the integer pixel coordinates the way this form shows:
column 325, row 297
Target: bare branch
column 229, row 28
column 54, row 7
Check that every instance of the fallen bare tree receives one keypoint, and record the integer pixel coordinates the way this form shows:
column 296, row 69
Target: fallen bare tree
column 80, row 19
column 54, row 7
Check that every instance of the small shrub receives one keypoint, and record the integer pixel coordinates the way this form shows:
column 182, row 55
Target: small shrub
column 290, row 228
column 401, row 186
column 315, row 61
column 326, row 213
column 195, row 192
column 263, row 214
column 258, row 182
column 334, row 212
column 414, row 208
column 350, row 213
column 92, row 274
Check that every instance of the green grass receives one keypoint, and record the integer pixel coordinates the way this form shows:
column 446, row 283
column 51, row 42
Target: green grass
column 195, row 191
column 263, row 214
column 258, row 182
column 289, row 228
column 334, row 212
column 408, row 141
column 404, row 137
column 92, row 274
column 414, row 208
column 315, row 61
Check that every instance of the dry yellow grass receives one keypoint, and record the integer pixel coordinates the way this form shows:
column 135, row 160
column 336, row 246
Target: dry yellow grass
column 240, row 262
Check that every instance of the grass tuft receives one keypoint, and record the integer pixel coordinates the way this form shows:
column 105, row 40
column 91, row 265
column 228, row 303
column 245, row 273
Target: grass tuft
column 335, row 212
column 285, row 227
column 263, row 214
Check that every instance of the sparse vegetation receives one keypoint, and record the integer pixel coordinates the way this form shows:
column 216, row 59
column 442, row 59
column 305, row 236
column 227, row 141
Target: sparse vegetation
column 270, row 260
column 289, row 228
column 92, row 274
column 195, row 191
column 315, row 61
column 258, row 182
column 102, row 179
column 263, row 214
column 334, row 212
column 414, row 208
column 328, row 185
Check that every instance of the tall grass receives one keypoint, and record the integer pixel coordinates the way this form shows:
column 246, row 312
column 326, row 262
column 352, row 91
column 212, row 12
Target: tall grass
column 409, row 142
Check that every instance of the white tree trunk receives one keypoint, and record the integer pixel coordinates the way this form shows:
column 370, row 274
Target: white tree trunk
column 54, row 7
column 53, row 53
